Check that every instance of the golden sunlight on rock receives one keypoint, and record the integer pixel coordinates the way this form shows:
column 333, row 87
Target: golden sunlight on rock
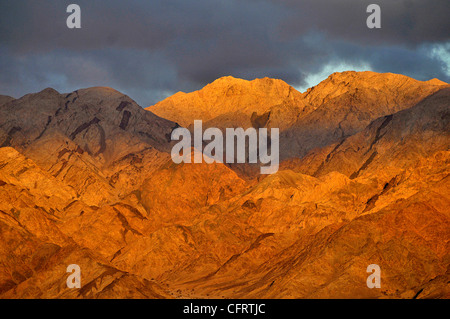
column 87, row 178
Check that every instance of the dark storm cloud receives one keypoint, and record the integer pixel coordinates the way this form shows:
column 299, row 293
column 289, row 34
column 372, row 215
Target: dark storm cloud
column 150, row 49
column 408, row 22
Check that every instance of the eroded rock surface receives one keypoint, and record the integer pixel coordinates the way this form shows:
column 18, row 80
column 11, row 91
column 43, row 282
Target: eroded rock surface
column 86, row 178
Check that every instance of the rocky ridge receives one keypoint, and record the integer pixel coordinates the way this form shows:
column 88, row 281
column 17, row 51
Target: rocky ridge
column 86, row 178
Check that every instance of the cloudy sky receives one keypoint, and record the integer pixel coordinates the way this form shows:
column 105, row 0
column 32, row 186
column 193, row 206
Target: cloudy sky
column 151, row 49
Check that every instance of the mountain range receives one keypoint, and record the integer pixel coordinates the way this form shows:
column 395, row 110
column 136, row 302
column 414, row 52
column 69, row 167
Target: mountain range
column 87, row 178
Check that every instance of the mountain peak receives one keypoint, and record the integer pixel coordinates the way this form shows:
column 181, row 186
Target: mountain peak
column 436, row 82
column 374, row 79
column 99, row 93
column 233, row 100
column 226, row 95
column 351, row 82
column 101, row 90
column 87, row 178
column 226, row 81
column 48, row 92
column 228, row 78
column 364, row 76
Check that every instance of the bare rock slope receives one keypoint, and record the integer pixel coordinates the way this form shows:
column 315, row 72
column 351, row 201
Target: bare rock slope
column 339, row 106
column 86, row 178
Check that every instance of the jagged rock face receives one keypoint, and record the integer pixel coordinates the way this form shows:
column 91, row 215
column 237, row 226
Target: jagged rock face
column 87, row 138
column 97, row 119
column 86, row 178
column 182, row 191
column 338, row 107
column 396, row 140
column 346, row 103
column 230, row 102
column 5, row 99
column 389, row 209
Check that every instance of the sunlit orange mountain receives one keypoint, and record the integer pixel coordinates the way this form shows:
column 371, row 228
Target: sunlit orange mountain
column 87, row 178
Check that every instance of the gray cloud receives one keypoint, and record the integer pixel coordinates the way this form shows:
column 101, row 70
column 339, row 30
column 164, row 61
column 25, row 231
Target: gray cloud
column 151, row 49
column 405, row 22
